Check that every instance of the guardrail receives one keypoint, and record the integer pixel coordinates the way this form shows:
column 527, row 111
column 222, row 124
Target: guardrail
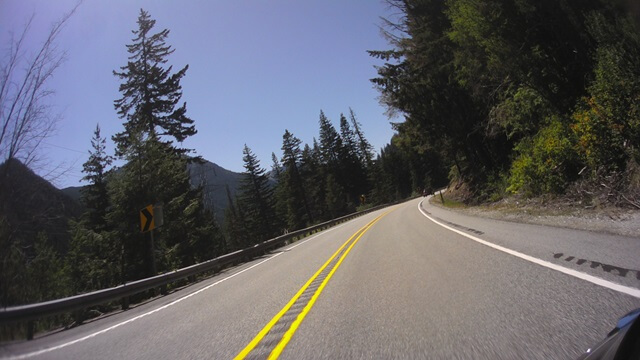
column 29, row 313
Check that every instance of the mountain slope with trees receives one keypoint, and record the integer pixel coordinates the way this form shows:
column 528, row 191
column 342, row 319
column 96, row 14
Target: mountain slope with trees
column 523, row 97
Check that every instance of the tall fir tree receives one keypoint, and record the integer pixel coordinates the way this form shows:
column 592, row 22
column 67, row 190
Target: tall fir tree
column 156, row 171
column 365, row 150
column 314, row 178
column 151, row 92
column 256, row 199
column 93, row 259
column 352, row 167
column 330, row 142
column 235, row 230
column 279, row 193
column 94, row 196
column 295, row 195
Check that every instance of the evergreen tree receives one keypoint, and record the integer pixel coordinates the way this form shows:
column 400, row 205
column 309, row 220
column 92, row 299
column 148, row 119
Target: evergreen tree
column 330, row 142
column 365, row 149
column 234, row 224
column 313, row 175
column 93, row 260
column 151, row 92
column 279, row 191
column 294, row 193
column 276, row 167
column 352, row 167
column 94, row 196
column 156, row 171
column 335, row 198
column 256, row 199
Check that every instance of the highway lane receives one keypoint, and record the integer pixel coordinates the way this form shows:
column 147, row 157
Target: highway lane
column 407, row 289
column 413, row 289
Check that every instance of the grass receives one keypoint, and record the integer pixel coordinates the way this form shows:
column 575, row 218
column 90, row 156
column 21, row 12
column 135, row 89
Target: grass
column 448, row 202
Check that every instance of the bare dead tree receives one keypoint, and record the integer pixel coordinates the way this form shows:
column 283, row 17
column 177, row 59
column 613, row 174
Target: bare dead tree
column 26, row 119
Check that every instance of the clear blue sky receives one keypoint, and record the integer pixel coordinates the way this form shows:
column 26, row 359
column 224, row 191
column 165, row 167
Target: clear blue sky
column 256, row 68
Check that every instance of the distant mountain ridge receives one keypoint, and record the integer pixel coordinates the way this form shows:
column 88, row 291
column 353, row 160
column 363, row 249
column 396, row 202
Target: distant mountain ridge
column 213, row 178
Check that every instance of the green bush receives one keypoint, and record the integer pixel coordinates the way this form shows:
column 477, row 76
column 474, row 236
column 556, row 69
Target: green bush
column 546, row 162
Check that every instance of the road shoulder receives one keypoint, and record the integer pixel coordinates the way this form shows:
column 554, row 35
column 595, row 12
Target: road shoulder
column 613, row 221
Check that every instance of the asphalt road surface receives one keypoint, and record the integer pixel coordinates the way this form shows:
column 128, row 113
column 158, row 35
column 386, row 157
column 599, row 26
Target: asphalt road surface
column 410, row 281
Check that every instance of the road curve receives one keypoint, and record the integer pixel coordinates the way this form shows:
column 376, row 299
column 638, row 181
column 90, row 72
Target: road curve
column 406, row 288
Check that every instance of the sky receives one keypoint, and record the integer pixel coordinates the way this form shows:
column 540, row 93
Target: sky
column 256, row 68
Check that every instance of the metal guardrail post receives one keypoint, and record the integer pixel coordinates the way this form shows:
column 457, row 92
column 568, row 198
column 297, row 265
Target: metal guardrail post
column 30, row 329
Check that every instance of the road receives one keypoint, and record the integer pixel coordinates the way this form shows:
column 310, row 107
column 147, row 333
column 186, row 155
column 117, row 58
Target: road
column 390, row 284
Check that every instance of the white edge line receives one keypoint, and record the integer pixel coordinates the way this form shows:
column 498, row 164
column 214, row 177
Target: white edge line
column 580, row 275
column 87, row 337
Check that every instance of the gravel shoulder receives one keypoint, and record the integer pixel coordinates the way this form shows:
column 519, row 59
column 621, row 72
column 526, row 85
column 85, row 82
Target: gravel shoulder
column 609, row 220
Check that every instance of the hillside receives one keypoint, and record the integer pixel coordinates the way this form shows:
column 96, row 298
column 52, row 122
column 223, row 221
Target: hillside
column 32, row 205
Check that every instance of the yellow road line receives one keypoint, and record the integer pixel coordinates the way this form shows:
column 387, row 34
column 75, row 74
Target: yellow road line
column 286, row 308
column 294, row 326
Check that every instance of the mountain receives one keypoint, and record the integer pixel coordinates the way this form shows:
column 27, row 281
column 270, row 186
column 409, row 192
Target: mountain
column 31, row 205
column 73, row 192
column 213, row 178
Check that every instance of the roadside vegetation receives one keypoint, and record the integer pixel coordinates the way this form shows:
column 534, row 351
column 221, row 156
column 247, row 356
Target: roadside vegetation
column 518, row 97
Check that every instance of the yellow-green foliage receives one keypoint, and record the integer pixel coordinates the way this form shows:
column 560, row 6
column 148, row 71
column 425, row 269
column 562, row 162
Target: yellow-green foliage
column 599, row 136
column 545, row 162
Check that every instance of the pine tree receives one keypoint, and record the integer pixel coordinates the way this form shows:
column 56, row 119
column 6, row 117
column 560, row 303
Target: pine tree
column 94, row 196
column 93, row 260
column 156, row 171
column 276, row 167
column 150, row 92
column 279, row 191
column 314, row 178
column 365, row 149
column 256, row 199
column 295, row 196
column 353, row 169
column 330, row 142
column 234, row 224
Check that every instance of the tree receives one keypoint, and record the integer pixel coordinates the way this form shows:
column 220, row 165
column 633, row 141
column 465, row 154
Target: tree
column 279, row 190
column 256, row 199
column 93, row 260
column 150, row 93
column 234, row 224
column 25, row 117
column 94, row 196
column 352, row 164
column 330, row 142
column 313, row 174
column 156, row 171
column 365, row 149
column 294, row 194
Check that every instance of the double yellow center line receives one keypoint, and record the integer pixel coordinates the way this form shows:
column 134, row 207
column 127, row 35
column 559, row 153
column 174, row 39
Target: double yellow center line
column 282, row 327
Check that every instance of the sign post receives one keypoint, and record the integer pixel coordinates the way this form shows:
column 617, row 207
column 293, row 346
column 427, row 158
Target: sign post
column 150, row 218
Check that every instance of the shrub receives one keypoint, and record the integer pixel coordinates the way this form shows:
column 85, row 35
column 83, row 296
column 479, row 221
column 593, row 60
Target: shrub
column 546, row 162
